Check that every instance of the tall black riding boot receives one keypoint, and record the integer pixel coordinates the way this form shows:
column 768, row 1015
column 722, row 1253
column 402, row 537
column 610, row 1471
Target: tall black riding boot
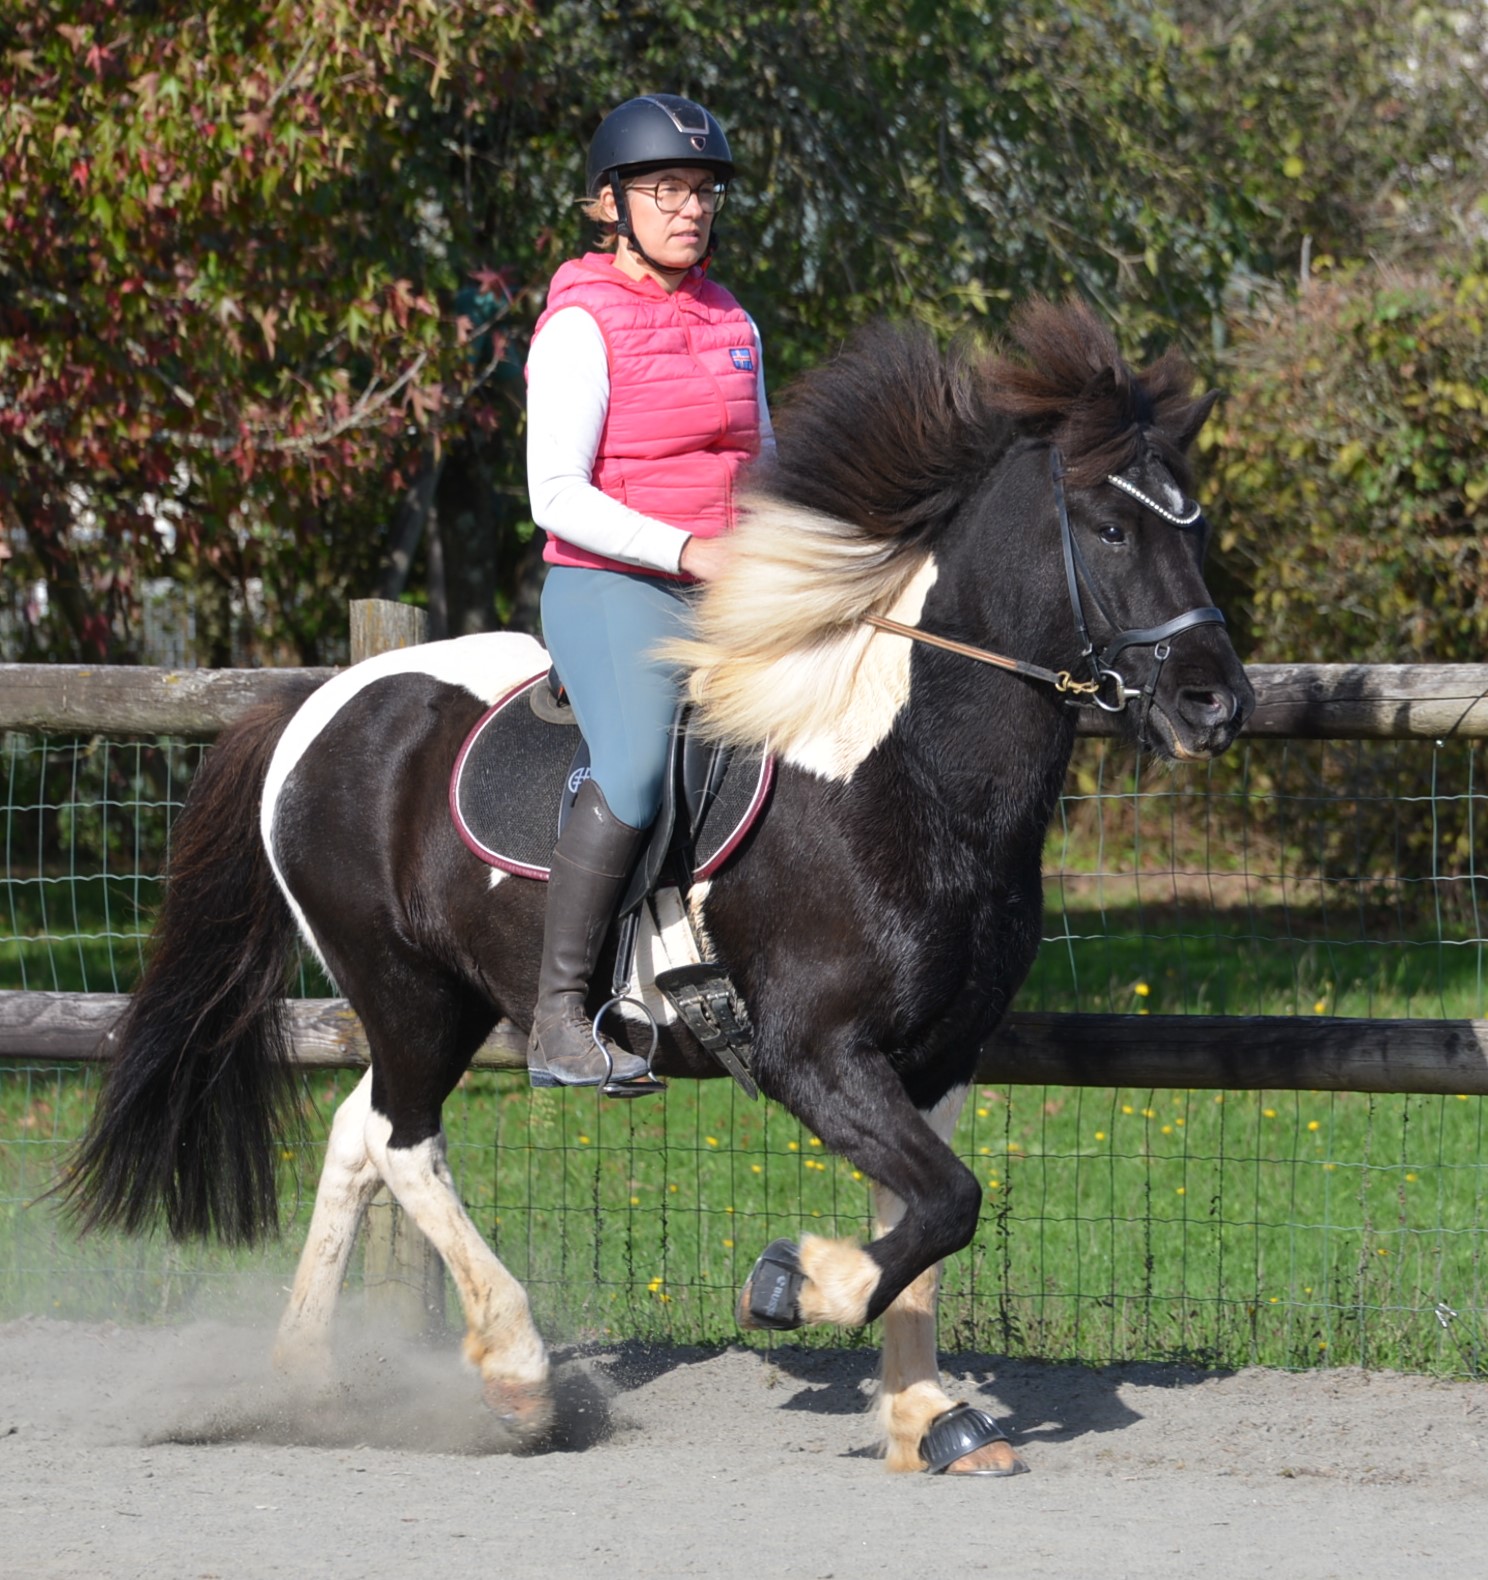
column 591, row 863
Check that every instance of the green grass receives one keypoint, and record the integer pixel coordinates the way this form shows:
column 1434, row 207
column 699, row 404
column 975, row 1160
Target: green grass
column 1220, row 1228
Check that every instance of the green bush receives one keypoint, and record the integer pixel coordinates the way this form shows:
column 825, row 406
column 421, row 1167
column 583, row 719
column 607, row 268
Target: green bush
column 1348, row 471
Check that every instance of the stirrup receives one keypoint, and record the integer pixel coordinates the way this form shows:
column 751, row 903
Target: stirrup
column 637, row 1085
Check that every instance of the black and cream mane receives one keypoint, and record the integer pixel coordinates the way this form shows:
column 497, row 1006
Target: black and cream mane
column 879, row 451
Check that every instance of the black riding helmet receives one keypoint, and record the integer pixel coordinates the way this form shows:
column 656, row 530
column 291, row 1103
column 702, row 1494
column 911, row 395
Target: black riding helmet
column 650, row 133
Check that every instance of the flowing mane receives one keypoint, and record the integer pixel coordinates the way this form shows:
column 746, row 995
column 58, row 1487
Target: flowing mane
column 878, row 450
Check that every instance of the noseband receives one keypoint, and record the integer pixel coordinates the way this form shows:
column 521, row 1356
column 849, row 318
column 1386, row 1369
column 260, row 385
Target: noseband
column 1106, row 689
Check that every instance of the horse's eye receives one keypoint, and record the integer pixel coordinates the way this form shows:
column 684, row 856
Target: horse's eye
column 1112, row 533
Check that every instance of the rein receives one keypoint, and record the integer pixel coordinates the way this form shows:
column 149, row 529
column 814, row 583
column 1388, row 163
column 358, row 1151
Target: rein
column 1104, row 675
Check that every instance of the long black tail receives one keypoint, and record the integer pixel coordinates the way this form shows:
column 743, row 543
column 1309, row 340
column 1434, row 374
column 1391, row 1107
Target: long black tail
column 196, row 1100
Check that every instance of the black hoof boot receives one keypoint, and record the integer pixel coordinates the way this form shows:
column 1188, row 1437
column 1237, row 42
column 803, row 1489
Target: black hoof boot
column 771, row 1297
column 960, row 1431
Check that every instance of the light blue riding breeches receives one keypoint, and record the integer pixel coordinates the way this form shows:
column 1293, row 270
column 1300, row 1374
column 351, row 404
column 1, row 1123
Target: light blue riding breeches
column 600, row 626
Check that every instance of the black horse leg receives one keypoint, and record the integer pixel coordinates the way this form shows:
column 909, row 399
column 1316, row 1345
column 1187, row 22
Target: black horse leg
column 857, row 1105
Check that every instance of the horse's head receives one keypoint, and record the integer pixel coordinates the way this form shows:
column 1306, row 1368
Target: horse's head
column 1106, row 452
column 1035, row 505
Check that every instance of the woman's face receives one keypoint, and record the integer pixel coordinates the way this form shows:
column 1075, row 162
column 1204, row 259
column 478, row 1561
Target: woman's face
column 671, row 213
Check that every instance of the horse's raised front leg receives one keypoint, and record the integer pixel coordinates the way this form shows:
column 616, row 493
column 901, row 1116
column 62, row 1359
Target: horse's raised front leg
column 501, row 1341
column 911, row 1399
column 857, row 1105
column 348, row 1180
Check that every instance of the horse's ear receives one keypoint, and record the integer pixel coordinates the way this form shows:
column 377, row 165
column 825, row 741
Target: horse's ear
column 1187, row 420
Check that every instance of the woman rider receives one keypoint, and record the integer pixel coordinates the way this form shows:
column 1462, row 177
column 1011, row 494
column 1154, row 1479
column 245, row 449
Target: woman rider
column 645, row 398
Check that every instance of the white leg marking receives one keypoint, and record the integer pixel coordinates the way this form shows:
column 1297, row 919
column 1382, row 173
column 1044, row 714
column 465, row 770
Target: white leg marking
column 910, row 1394
column 500, row 1338
column 348, row 1179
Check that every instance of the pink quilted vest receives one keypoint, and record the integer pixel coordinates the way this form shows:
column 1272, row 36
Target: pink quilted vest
column 684, row 409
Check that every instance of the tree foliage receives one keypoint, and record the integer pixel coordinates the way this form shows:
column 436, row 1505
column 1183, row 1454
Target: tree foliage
column 1349, row 468
column 266, row 270
column 232, row 238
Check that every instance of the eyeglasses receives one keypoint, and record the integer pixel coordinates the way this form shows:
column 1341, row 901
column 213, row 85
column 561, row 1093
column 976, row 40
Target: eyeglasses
column 671, row 196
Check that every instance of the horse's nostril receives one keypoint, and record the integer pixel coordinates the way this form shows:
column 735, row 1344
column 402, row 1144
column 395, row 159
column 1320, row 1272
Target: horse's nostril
column 1209, row 707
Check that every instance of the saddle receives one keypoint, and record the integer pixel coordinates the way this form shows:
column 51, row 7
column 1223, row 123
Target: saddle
column 512, row 790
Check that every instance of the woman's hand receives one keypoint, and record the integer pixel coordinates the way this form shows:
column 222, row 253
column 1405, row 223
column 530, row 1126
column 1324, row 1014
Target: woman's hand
column 705, row 558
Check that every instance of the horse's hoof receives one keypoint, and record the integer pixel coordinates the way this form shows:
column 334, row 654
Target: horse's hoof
column 965, row 1441
column 771, row 1297
column 526, row 1409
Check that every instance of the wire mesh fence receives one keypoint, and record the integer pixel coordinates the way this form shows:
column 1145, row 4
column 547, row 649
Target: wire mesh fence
column 1227, row 1227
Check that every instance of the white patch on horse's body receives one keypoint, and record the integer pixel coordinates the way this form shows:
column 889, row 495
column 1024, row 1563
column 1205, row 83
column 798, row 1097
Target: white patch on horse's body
column 697, row 907
column 500, row 1339
column 879, row 688
column 348, row 1180
column 910, row 1394
column 487, row 665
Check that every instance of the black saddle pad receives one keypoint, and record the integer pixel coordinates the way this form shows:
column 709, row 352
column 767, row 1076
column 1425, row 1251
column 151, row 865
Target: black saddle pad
column 516, row 771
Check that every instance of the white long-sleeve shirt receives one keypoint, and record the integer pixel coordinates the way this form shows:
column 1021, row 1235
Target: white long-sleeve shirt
column 568, row 398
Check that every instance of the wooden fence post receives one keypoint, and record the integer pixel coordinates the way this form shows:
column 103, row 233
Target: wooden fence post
column 401, row 1272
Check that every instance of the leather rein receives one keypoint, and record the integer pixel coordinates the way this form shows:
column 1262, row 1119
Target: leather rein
column 1106, row 688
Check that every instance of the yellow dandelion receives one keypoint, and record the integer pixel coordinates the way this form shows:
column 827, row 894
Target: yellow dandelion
column 1141, row 990
column 793, row 1146
column 654, row 1285
column 583, row 1141
column 1312, row 1124
column 1180, row 1121
column 1167, row 1130
column 711, row 1140
column 1320, row 1007
column 1411, row 1178
column 1126, row 1108
column 728, row 1209
column 1219, row 1097
column 984, row 1152
column 755, row 1168
column 994, row 1184
column 982, row 1113
column 1181, row 1191
column 1275, row 1299
column 728, row 1245
column 1100, row 1135
column 635, row 1201
column 672, row 1189
column 1381, row 1250
column 1149, row 1113
column 856, row 1175
column 815, row 1142
column 1270, row 1113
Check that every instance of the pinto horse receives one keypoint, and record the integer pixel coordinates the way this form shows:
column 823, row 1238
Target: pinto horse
column 946, row 557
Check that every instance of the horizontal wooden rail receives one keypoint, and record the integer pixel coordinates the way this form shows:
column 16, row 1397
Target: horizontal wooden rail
column 1246, row 1053
column 1301, row 701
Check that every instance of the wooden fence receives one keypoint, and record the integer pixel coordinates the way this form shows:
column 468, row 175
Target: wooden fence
column 1298, row 702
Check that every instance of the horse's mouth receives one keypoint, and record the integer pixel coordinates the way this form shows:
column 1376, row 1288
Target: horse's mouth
column 1203, row 725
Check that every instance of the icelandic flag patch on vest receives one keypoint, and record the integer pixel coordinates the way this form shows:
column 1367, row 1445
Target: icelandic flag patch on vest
column 742, row 358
